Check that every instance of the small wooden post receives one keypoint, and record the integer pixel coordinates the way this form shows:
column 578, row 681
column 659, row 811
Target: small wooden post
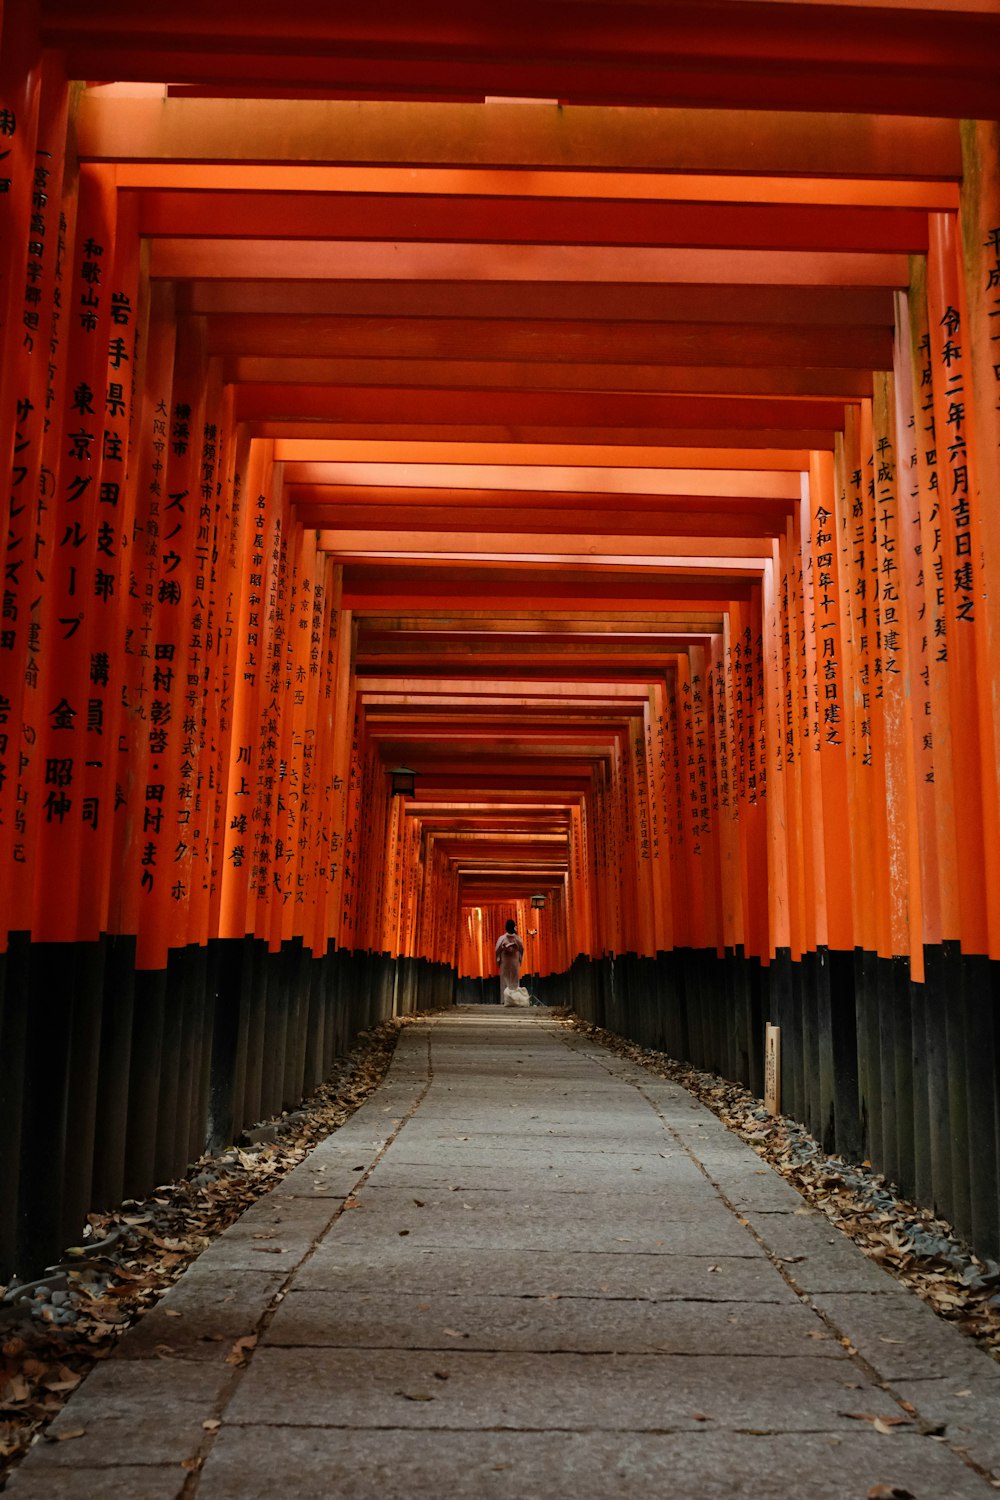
column 772, row 1069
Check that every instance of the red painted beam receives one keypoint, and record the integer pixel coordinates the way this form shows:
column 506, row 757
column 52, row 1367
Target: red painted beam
column 564, row 301
column 736, row 54
column 805, row 380
column 615, row 519
column 374, row 499
column 529, row 220
column 540, row 408
column 768, row 439
column 682, row 343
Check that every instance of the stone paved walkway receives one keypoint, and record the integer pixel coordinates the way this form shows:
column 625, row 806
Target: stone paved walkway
column 525, row 1268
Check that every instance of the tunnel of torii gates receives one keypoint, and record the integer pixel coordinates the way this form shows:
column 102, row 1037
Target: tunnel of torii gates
column 594, row 409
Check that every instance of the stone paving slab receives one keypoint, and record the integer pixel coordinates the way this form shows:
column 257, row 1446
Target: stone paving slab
column 497, row 1228
column 648, row 1175
column 753, row 1184
column 423, row 1269
column 905, row 1339
column 127, row 1482
column 586, row 1466
column 272, row 1235
column 545, row 1324
column 202, row 1315
column 432, row 1135
column 147, row 1409
column 684, row 1329
column 505, row 1153
column 677, row 1202
column 966, row 1410
column 318, row 1183
column 631, row 1392
column 815, row 1256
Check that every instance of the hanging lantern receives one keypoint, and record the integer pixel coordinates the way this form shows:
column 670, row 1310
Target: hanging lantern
column 538, row 902
column 404, row 781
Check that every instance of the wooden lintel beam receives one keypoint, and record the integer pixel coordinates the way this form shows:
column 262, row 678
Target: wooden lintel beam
column 507, row 182
column 793, row 440
column 546, row 482
column 511, row 134
column 568, row 301
column 553, row 625
column 684, row 343
column 332, row 500
column 506, row 548
column 422, row 218
column 840, row 382
column 213, row 258
column 721, row 522
column 658, row 458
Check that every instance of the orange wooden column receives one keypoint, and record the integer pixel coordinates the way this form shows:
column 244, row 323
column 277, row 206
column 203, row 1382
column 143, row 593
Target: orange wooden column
column 678, row 835
column 727, row 825
column 902, row 931
column 170, row 816
column 32, row 376
column 114, row 519
column 581, row 878
column 339, row 696
column 829, row 648
column 29, row 184
column 74, row 773
column 941, row 893
column 317, row 791
column 980, row 221
column 956, row 555
column 813, row 931
column 143, row 501
column 780, row 763
column 704, row 788
column 657, row 862
column 289, row 704
column 922, row 855
column 241, row 866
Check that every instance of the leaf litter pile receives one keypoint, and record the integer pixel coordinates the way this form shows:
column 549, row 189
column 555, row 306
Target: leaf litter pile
column 919, row 1249
column 52, row 1331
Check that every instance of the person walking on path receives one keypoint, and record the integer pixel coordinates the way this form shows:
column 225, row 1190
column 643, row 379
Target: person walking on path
column 510, row 953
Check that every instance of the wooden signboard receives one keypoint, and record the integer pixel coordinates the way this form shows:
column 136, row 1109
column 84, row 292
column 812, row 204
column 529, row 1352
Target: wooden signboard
column 772, row 1069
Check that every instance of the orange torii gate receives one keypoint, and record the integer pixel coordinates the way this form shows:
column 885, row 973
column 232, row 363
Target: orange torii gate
column 629, row 478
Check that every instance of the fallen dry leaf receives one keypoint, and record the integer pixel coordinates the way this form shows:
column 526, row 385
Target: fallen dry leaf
column 416, row 1395
column 65, row 1434
column 211, row 1424
column 890, row 1492
column 880, row 1423
column 240, row 1350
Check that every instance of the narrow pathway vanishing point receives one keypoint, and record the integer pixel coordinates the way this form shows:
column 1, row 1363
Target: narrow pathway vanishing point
column 527, row 1267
